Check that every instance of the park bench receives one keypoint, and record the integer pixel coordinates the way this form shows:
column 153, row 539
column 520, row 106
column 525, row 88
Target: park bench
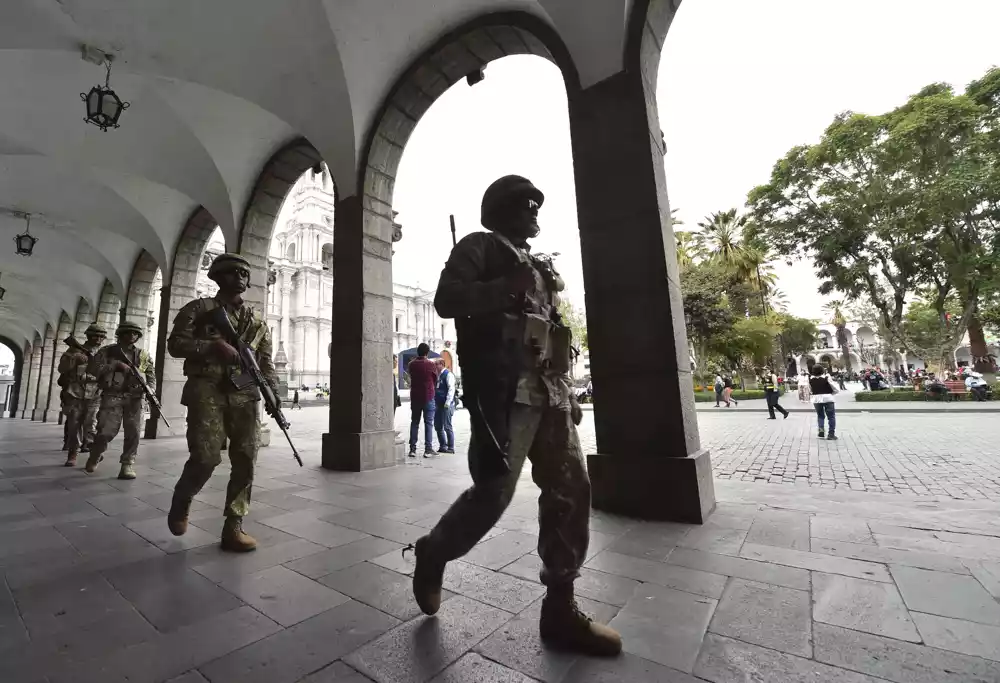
column 955, row 388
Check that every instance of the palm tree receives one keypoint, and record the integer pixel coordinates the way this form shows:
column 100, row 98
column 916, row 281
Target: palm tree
column 721, row 238
column 687, row 249
column 836, row 307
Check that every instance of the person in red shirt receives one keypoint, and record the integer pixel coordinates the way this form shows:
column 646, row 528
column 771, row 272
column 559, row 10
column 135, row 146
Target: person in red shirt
column 423, row 382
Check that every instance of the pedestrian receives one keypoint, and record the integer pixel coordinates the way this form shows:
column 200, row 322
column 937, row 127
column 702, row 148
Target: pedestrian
column 772, row 394
column 295, row 401
column 840, row 380
column 81, row 394
column 727, row 390
column 719, row 387
column 220, row 405
column 520, row 403
column 122, row 397
column 804, row 390
column 444, row 399
column 822, row 398
column 423, row 385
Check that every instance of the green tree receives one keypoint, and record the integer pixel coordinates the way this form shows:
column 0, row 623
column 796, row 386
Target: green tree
column 750, row 343
column 707, row 314
column 798, row 335
column 576, row 321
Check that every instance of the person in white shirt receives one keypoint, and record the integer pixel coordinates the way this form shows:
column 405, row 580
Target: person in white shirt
column 444, row 396
column 805, row 393
column 977, row 386
column 822, row 399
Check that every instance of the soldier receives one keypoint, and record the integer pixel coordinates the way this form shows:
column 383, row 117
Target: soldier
column 221, row 405
column 122, row 397
column 81, row 394
column 514, row 354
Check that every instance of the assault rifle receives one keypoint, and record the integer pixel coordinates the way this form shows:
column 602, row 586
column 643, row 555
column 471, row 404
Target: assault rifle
column 137, row 376
column 248, row 361
column 72, row 343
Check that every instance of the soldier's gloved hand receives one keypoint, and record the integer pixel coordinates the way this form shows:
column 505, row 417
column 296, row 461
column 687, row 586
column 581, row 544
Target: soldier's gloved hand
column 121, row 366
column 225, row 351
column 521, row 280
column 575, row 411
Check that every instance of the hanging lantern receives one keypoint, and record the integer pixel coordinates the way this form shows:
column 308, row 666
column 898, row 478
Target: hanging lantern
column 104, row 107
column 25, row 242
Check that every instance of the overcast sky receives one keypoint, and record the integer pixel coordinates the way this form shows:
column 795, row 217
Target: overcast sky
column 740, row 83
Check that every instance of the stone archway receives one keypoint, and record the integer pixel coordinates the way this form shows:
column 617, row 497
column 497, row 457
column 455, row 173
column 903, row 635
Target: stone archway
column 140, row 291
column 361, row 432
column 174, row 294
column 109, row 312
column 51, row 405
column 10, row 406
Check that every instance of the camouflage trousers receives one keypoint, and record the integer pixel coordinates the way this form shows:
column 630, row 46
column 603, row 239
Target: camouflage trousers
column 547, row 437
column 81, row 421
column 117, row 412
column 212, row 419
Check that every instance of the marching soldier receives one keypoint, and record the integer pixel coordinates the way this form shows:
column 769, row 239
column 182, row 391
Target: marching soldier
column 515, row 356
column 81, row 394
column 122, row 397
column 222, row 404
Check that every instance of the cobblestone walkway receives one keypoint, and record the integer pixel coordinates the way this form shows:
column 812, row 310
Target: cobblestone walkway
column 784, row 584
column 956, row 456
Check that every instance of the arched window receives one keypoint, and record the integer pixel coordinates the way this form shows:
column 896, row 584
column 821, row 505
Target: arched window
column 290, row 252
column 327, row 256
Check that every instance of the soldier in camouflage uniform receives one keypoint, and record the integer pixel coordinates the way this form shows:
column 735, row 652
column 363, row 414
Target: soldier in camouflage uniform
column 122, row 397
column 220, row 404
column 515, row 354
column 81, row 394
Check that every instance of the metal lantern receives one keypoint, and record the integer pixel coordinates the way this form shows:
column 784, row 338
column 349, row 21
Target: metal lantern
column 104, row 107
column 25, row 242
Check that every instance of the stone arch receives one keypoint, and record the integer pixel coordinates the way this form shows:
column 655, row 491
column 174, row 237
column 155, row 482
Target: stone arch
column 109, row 309
column 50, row 405
column 290, row 252
column 25, row 378
column 181, row 289
column 83, row 318
column 140, row 290
column 277, row 177
column 10, row 408
column 361, row 434
column 326, row 256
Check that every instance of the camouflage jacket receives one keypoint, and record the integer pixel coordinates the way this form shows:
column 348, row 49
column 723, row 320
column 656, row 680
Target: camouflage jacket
column 73, row 376
column 495, row 328
column 116, row 383
column 193, row 333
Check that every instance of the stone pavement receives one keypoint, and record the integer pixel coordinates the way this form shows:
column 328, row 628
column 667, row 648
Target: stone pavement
column 784, row 583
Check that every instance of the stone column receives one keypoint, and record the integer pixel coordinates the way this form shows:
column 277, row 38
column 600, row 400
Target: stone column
column 22, row 392
column 649, row 461
column 53, row 404
column 27, row 412
column 361, row 435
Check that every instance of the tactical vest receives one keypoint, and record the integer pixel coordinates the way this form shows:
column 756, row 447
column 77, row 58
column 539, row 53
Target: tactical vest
column 250, row 328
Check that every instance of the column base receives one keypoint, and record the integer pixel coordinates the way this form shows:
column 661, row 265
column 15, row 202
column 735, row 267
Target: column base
column 359, row 452
column 653, row 488
column 51, row 415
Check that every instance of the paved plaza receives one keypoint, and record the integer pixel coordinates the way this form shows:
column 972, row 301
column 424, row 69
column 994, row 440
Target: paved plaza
column 812, row 568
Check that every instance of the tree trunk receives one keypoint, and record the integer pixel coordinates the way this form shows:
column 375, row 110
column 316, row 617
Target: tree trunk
column 977, row 346
column 846, row 357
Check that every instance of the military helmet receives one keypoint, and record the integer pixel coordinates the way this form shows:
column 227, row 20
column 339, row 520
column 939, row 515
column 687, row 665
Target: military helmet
column 499, row 195
column 224, row 263
column 95, row 330
column 128, row 327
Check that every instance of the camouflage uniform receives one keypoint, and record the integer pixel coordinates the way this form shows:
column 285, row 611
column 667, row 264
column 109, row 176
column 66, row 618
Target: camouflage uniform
column 217, row 410
column 81, row 395
column 121, row 400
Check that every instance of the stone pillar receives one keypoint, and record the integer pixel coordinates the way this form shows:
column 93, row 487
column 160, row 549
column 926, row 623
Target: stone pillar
column 361, row 435
column 53, row 404
column 649, row 461
column 22, row 394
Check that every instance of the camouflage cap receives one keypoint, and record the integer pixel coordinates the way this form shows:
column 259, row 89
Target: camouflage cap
column 128, row 327
column 95, row 330
column 224, row 263
column 502, row 191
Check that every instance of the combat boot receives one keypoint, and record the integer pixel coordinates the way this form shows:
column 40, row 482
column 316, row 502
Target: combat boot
column 234, row 539
column 428, row 575
column 565, row 627
column 177, row 518
column 71, row 459
column 126, row 472
column 92, row 460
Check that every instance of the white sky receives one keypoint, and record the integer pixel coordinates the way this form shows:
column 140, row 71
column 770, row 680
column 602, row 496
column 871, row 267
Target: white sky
column 740, row 83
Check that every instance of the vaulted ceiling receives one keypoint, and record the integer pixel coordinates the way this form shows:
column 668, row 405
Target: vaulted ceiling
column 215, row 89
